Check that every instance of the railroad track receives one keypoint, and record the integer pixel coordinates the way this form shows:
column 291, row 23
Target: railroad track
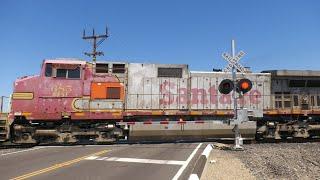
column 9, row 145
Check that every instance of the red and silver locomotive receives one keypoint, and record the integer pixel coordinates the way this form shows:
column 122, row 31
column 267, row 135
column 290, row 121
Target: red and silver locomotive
column 74, row 100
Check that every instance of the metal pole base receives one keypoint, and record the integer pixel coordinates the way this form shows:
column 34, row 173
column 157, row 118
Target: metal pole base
column 238, row 144
column 238, row 141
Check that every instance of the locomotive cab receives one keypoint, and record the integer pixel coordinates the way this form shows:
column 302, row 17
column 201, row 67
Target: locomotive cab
column 69, row 101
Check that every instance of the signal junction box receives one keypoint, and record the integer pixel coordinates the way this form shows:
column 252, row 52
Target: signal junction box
column 242, row 116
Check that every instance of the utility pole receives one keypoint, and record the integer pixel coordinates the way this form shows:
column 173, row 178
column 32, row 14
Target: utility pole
column 96, row 41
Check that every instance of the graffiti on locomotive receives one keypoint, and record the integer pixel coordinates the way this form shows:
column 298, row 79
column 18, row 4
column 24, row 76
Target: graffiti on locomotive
column 203, row 96
column 60, row 90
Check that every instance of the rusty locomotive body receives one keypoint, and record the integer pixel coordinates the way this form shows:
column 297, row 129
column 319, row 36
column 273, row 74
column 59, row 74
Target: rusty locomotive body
column 74, row 100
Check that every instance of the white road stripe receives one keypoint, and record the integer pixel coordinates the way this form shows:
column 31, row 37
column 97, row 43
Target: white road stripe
column 136, row 160
column 102, row 158
column 176, row 177
column 193, row 177
column 91, row 158
column 15, row 152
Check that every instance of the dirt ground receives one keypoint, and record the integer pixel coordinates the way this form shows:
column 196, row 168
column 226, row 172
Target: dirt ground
column 225, row 165
column 266, row 161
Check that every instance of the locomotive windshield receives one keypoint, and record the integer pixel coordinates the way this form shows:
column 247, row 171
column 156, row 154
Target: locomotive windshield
column 69, row 71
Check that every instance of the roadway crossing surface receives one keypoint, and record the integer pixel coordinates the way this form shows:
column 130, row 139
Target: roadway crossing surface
column 136, row 161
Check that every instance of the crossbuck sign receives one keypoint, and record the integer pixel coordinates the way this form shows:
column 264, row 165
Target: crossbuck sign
column 234, row 62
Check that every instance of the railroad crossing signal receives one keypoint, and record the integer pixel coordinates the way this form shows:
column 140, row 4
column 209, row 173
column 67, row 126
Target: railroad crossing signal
column 234, row 62
column 242, row 86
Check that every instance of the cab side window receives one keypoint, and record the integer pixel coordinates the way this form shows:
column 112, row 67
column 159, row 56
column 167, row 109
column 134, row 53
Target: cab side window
column 48, row 71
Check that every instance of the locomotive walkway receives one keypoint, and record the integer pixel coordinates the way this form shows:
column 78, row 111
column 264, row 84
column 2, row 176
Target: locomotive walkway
column 137, row 161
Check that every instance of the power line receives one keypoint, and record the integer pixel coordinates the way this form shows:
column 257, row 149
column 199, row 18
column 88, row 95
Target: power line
column 96, row 41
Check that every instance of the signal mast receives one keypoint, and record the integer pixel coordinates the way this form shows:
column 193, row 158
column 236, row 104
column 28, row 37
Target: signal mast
column 96, row 41
column 241, row 87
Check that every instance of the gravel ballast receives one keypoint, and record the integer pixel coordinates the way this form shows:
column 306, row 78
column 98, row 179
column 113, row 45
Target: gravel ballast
column 265, row 161
column 282, row 160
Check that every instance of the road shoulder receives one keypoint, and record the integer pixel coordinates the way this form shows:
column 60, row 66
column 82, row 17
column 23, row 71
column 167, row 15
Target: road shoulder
column 222, row 164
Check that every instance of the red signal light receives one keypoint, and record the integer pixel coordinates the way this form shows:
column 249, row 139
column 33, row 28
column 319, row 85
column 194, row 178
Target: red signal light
column 244, row 86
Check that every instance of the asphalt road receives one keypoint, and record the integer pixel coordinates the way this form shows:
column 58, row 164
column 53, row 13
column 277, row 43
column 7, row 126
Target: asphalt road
column 134, row 162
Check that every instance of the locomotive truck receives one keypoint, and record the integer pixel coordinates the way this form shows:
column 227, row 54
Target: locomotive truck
column 73, row 100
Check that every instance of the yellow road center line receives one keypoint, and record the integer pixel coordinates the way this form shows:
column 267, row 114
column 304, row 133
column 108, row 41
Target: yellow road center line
column 57, row 166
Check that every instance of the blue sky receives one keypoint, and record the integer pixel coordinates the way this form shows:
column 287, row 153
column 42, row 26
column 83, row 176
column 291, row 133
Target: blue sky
column 275, row 34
